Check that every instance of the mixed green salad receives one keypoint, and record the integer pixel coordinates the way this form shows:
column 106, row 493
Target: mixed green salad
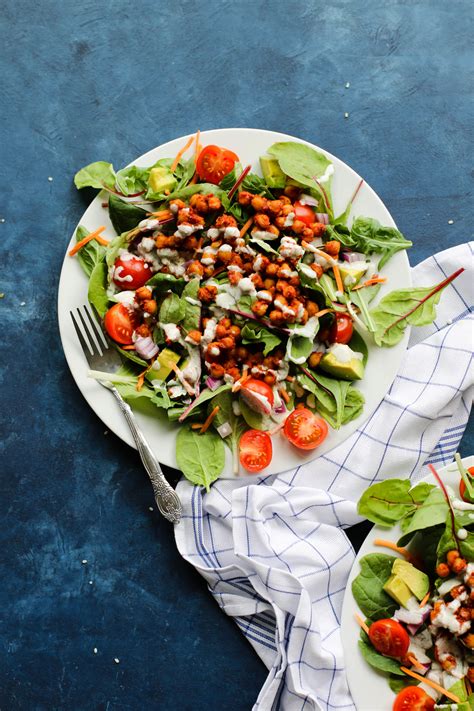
column 419, row 603
column 240, row 302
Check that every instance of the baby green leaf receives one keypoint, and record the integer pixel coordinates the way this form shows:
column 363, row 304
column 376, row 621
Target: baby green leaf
column 91, row 254
column 367, row 588
column 253, row 332
column 300, row 162
column 96, row 175
column 97, row 291
column 201, row 457
column 376, row 660
column 387, row 502
column 192, row 312
column 369, row 236
column 124, row 216
column 172, row 309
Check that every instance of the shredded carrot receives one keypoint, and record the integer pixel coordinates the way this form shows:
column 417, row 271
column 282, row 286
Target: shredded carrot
column 337, row 275
column 246, row 226
column 290, row 378
column 319, row 252
column 415, row 662
column 425, row 599
column 196, row 150
column 196, row 426
column 238, row 383
column 393, row 547
column 162, row 214
column 182, row 380
column 361, row 622
column 433, row 685
column 284, row 395
column 323, row 312
column 128, row 348
column 370, row 282
column 82, row 243
column 180, row 154
column 207, row 423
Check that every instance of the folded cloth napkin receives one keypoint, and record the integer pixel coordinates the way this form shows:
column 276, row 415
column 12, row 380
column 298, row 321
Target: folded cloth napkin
column 273, row 549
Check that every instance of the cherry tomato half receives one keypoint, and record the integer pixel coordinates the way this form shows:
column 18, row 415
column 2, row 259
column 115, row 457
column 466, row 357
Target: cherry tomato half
column 304, row 213
column 131, row 273
column 341, row 330
column 255, row 448
column 304, row 429
column 258, row 395
column 462, row 487
column 389, row 638
column 214, row 163
column 119, row 324
column 411, row 698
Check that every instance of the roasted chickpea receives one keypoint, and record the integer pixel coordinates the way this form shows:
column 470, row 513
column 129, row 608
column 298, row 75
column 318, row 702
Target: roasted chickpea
column 451, row 557
column 144, row 292
column 442, row 570
column 285, row 200
column 318, row 229
column 319, row 271
column 259, row 203
column 217, row 370
column 468, row 640
column 234, row 278
column 143, row 330
column 260, row 308
column 221, row 331
column 262, row 221
column 226, row 322
column 307, row 233
column 206, row 294
column 234, row 331
column 268, row 284
column 225, row 221
column 161, row 241
column 276, row 317
column 257, row 281
column 150, row 306
column 459, row 566
column 298, row 227
column 241, row 353
column 226, row 343
column 195, row 269
column 271, row 269
column 178, row 203
column 332, row 247
column 270, row 378
column 195, row 336
column 245, row 198
column 214, row 202
column 314, row 359
column 275, row 206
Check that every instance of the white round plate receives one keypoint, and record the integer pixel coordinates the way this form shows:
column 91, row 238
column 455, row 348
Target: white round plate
column 369, row 688
column 249, row 144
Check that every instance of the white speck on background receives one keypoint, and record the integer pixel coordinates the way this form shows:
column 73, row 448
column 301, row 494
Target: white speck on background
column 2, row 220
column 22, row 303
column 117, row 660
column 50, row 178
column 90, row 582
column 84, row 561
column 95, row 650
column 150, row 508
column 450, row 222
column 346, row 115
column 348, row 84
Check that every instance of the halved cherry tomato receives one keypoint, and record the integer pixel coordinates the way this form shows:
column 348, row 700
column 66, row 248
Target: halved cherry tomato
column 119, row 324
column 214, row 163
column 131, row 273
column 341, row 330
column 412, row 698
column 462, row 487
column 258, row 395
column 255, row 448
column 304, row 213
column 304, row 429
column 389, row 638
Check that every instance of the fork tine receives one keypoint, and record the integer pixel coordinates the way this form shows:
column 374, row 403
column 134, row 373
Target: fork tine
column 100, row 324
column 83, row 341
column 97, row 331
column 90, row 337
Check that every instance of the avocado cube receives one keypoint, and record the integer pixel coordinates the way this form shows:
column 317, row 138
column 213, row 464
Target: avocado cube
column 160, row 179
column 273, row 174
column 352, row 369
column 414, row 579
column 166, row 359
column 397, row 589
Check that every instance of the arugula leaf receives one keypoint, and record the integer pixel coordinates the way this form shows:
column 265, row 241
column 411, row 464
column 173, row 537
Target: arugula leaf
column 184, row 172
column 339, row 232
column 192, row 312
column 300, row 162
column 406, row 306
column 124, row 216
column 255, row 184
column 201, row 457
column 226, row 414
column 377, row 660
column 432, row 513
column 390, row 501
column 253, row 332
column 173, row 309
column 263, row 245
column 367, row 587
column 369, row 236
column 96, row 175
column 97, row 290
column 204, row 188
column 91, row 254
column 132, row 179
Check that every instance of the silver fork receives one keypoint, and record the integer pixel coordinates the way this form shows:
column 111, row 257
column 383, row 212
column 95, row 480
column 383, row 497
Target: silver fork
column 101, row 355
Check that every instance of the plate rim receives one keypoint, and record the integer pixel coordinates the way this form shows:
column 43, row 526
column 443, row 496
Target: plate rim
column 121, row 430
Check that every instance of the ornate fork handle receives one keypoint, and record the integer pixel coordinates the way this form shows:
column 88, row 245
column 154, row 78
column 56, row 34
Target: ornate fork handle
column 166, row 497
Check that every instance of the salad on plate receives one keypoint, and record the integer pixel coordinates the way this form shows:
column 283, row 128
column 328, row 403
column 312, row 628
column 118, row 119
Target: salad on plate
column 418, row 602
column 241, row 304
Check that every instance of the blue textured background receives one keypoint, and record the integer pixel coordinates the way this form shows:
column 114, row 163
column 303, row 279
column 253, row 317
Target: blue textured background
column 83, row 81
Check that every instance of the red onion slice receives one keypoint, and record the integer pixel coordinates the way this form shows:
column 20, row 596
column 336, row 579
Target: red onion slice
column 145, row 347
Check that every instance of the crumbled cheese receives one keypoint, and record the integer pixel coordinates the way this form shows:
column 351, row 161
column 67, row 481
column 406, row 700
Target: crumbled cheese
column 214, row 351
column 213, row 233
column 258, row 262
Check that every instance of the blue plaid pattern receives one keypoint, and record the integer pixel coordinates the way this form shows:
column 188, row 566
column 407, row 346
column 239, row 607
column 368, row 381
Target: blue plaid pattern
column 273, row 549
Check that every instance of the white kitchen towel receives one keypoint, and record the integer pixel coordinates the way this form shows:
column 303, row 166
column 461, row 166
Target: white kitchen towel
column 273, row 549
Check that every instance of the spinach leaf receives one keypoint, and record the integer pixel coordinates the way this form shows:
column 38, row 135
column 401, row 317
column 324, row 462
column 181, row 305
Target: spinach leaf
column 330, row 393
column 253, row 332
column 91, row 254
column 369, row 236
column 353, row 407
column 396, row 683
column 424, row 545
column 263, row 245
column 163, row 282
column 132, row 179
column 401, row 307
column 172, row 309
column 255, row 420
column 184, row 172
column 114, row 247
column 204, row 188
column 96, row 175
column 97, row 291
column 206, row 395
column 228, row 181
column 226, row 415
column 300, row 162
column 192, row 312
column 449, row 542
column 367, row 587
column 377, row 660
column 390, row 501
column 124, row 216
column 358, row 344
column 201, row 457
column 431, row 513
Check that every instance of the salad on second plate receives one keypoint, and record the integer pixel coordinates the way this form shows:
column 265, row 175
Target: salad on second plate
column 419, row 604
column 240, row 302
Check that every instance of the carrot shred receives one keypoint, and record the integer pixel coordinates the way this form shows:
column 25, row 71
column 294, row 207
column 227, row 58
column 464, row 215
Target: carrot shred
column 337, row 275
column 393, row 546
column 284, row 395
column 162, row 214
column 128, row 348
column 290, row 378
column 415, row 662
column 245, row 228
column 323, row 312
column 82, row 243
column 196, row 426
column 194, row 179
column 433, row 685
column 211, row 416
column 371, row 282
column 425, row 599
column 101, row 240
column 361, row 622
column 180, row 154
column 238, row 383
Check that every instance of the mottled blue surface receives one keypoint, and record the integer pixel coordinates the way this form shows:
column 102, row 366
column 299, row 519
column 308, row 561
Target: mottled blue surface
column 83, row 81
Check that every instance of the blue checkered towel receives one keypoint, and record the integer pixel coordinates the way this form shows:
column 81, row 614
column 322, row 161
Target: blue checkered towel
column 273, row 549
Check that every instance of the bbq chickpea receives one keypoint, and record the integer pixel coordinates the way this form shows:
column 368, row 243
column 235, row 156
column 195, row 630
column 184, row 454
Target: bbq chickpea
column 271, row 269
column 225, row 221
column 317, row 269
column 318, row 229
column 144, row 330
column 298, row 227
column 234, row 331
column 259, row 203
column 451, row 557
column 226, row 343
column 260, row 308
column 442, row 570
column 245, row 198
column 332, row 247
column 195, row 269
column 150, row 306
column 217, row 370
column 144, row 292
column 459, row 566
column 314, row 359
column 206, row 294
column 262, row 221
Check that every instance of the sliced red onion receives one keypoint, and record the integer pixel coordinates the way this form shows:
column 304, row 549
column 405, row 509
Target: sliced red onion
column 306, row 199
column 322, row 217
column 213, row 383
column 224, row 430
column 413, row 629
column 145, row 347
column 353, row 257
column 280, row 409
